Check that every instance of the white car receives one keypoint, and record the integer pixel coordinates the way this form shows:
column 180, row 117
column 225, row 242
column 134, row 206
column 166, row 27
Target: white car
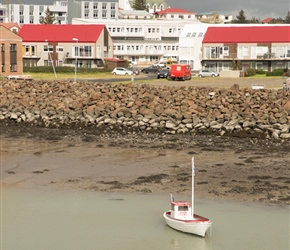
column 121, row 71
column 206, row 72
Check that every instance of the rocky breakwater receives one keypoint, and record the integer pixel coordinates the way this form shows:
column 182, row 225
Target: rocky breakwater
column 147, row 108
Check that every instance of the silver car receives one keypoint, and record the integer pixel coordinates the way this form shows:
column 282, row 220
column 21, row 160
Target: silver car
column 121, row 71
column 206, row 72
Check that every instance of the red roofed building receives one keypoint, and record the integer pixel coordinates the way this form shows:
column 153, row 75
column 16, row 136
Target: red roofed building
column 63, row 44
column 175, row 14
column 261, row 47
column 267, row 20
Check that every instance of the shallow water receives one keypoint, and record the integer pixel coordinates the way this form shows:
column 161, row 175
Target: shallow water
column 62, row 219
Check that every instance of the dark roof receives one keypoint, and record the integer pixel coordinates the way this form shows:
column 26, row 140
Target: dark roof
column 61, row 32
column 251, row 34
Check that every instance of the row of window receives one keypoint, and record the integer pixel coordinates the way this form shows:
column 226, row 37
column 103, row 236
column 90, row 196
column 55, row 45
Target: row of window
column 95, row 6
column 13, row 67
column 140, row 29
column 96, row 14
column 150, row 47
column 194, row 34
column 12, row 47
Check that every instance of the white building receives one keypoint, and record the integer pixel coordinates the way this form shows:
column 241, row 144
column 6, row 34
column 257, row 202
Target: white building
column 31, row 14
column 144, row 41
column 190, row 45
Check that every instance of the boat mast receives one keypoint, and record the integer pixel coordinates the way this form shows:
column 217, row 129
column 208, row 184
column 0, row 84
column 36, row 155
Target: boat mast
column 192, row 188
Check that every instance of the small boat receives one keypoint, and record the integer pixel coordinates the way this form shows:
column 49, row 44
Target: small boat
column 181, row 217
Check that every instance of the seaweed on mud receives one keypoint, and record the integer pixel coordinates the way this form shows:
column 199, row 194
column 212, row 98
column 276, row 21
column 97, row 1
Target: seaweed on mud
column 149, row 179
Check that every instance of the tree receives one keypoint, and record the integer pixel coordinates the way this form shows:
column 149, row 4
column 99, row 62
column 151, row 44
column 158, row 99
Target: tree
column 254, row 20
column 48, row 18
column 287, row 18
column 139, row 5
column 241, row 18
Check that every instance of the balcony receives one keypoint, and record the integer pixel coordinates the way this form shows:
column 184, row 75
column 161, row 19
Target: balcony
column 235, row 56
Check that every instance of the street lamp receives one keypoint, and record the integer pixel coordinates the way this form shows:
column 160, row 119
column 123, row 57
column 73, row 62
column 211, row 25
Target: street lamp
column 76, row 59
column 49, row 57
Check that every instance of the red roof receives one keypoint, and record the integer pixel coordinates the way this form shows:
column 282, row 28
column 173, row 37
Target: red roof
column 61, row 32
column 267, row 20
column 173, row 11
column 251, row 34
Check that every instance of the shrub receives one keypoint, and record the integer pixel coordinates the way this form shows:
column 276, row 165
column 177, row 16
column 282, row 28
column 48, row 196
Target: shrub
column 276, row 72
column 260, row 72
column 250, row 72
column 49, row 69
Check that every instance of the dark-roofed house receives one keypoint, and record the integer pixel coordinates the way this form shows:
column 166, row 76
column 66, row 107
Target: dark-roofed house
column 265, row 47
column 63, row 44
column 10, row 52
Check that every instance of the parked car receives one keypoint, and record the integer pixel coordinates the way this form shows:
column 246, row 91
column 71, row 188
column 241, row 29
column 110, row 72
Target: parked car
column 164, row 73
column 132, row 63
column 121, row 71
column 134, row 70
column 160, row 64
column 206, row 72
column 151, row 69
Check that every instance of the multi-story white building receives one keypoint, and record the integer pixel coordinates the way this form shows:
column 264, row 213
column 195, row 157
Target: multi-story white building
column 31, row 14
column 143, row 41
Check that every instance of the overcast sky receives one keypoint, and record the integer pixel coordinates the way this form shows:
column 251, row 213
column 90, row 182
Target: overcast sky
column 252, row 8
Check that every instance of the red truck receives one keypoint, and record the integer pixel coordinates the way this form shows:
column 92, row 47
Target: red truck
column 180, row 72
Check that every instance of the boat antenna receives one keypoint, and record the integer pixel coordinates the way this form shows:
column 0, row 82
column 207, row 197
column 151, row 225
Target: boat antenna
column 192, row 188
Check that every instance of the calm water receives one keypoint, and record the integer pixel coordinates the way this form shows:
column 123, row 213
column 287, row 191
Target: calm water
column 32, row 219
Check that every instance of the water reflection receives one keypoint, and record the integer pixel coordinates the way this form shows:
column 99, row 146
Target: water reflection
column 183, row 241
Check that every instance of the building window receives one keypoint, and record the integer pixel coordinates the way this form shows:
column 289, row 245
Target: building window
column 59, row 48
column 20, row 12
column 113, row 14
column 95, row 6
column 48, row 48
column 104, row 13
column 188, row 34
column 200, row 34
column 21, row 20
column 95, row 14
column 31, row 20
column 104, row 6
column 3, row 67
column 87, row 5
column 13, row 47
column 226, row 51
column 87, row 13
column 2, row 47
column 13, row 67
column 113, row 6
column 83, row 51
column 193, row 34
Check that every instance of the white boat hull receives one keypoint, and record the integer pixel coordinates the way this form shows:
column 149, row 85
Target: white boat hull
column 198, row 225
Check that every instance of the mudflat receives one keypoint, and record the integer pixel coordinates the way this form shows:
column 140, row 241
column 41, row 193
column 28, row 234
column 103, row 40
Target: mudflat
column 226, row 168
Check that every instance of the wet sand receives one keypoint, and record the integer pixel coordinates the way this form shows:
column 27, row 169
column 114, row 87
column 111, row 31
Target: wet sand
column 226, row 168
